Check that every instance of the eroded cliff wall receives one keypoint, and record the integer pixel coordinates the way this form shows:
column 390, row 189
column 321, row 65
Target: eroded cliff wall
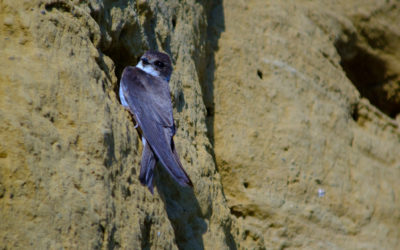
column 273, row 101
column 69, row 153
column 306, row 94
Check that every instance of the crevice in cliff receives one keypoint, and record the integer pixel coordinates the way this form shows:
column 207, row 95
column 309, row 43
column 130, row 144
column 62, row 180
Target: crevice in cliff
column 145, row 229
column 60, row 5
column 111, row 241
column 216, row 25
column 366, row 65
column 125, row 43
column 206, row 69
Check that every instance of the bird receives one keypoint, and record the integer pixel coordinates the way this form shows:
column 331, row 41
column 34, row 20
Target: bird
column 144, row 91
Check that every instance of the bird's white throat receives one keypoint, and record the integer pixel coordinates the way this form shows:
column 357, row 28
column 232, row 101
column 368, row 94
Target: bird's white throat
column 148, row 69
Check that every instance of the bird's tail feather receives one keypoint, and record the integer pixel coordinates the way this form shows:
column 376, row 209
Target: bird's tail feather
column 161, row 144
column 147, row 167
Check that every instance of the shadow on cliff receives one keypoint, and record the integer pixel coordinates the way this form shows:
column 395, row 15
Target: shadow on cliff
column 216, row 25
column 206, row 71
column 183, row 211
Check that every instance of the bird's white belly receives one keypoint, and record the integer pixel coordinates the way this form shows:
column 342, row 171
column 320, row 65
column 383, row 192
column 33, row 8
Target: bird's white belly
column 122, row 98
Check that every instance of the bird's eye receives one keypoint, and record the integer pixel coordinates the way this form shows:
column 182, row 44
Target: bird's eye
column 145, row 61
column 159, row 64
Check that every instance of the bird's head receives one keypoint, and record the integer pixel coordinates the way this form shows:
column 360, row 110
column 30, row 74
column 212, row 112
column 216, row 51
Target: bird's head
column 157, row 64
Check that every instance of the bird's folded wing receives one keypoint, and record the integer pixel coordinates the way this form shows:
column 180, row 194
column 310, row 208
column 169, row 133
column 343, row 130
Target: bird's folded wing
column 149, row 99
column 148, row 96
column 147, row 163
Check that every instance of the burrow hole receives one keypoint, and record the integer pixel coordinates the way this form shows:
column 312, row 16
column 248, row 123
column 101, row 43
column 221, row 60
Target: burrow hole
column 370, row 75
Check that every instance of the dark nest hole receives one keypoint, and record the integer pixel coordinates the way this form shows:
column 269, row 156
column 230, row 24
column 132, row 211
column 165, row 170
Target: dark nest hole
column 122, row 57
column 260, row 74
column 369, row 74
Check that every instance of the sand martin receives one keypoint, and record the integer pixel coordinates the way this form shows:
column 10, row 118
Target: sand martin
column 144, row 91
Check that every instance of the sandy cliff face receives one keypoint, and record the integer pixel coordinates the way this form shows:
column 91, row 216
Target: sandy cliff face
column 268, row 109
column 69, row 152
column 289, row 121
